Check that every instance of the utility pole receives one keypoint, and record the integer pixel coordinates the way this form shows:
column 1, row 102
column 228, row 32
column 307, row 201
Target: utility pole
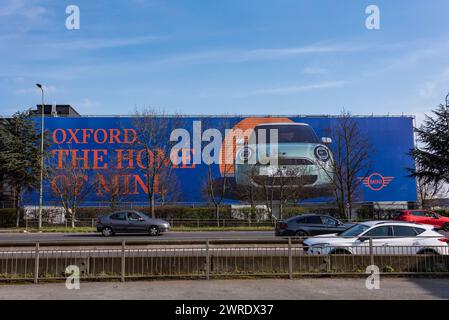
column 42, row 158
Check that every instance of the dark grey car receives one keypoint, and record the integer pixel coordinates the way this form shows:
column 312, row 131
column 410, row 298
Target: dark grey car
column 129, row 221
column 310, row 225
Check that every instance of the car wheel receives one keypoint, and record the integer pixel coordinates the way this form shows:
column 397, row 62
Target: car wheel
column 301, row 234
column 446, row 227
column 153, row 231
column 429, row 252
column 339, row 251
column 107, row 232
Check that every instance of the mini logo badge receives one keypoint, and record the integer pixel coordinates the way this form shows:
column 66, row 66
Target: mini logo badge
column 376, row 181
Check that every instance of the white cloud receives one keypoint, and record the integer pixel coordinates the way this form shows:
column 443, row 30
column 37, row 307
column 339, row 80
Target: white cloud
column 18, row 79
column 100, row 43
column 21, row 8
column 314, row 71
column 416, row 52
column 295, row 89
column 35, row 90
column 433, row 88
column 36, row 48
column 86, row 106
column 286, row 52
column 427, row 89
column 261, row 54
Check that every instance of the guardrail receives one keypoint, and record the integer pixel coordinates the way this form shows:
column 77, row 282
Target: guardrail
column 206, row 259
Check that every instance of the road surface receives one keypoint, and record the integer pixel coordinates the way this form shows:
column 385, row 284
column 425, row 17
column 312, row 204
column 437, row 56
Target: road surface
column 261, row 289
column 203, row 235
column 167, row 236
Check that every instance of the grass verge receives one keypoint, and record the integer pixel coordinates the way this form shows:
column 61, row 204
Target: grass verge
column 187, row 229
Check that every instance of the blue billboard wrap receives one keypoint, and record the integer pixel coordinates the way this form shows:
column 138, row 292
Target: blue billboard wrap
column 109, row 145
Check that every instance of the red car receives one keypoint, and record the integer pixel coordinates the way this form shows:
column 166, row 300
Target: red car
column 425, row 217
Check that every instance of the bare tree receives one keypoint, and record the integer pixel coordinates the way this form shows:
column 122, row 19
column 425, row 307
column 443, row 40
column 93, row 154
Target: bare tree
column 217, row 185
column 153, row 128
column 111, row 184
column 284, row 187
column 276, row 191
column 428, row 191
column 351, row 161
column 71, row 183
column 250, row 193
column 216, row 189
column 169, row 186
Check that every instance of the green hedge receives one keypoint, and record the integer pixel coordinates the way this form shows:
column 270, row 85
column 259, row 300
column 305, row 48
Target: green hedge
column 176, row 212
column 7, row 218
column 294, row 211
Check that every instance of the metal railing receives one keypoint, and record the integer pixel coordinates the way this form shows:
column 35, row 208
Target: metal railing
column 7, row 204
column 200, row 115
column 206, row 259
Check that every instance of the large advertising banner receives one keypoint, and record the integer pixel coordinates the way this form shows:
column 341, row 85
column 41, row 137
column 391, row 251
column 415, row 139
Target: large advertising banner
column 110, row 151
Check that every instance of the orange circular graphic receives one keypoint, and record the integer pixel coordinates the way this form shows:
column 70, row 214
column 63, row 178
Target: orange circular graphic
column 229, row 143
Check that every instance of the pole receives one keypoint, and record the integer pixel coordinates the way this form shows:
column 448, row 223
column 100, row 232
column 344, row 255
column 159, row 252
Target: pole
column 371, row 251
column 348, row 208
column 207, row 260
column 36, row 263
column 290, row 259
column 123, row 260
column 42, row 160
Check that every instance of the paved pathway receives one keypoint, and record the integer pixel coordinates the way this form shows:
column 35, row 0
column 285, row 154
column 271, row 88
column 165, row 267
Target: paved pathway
column 268, row 289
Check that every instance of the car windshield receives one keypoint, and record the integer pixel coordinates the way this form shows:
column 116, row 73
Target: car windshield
column 143, row 215
column 354, row 231
column 302, row 216
column 290, row 133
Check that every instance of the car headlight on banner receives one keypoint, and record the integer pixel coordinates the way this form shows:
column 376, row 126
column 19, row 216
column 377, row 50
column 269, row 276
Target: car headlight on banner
column 322, row 153
column 246, row 154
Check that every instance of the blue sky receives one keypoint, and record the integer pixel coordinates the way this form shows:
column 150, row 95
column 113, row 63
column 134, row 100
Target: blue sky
column 226, row 57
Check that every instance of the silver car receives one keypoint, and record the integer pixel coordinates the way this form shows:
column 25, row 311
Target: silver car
column 130, row 221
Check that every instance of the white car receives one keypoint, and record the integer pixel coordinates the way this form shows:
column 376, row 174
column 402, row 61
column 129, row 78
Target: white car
column 387, row 237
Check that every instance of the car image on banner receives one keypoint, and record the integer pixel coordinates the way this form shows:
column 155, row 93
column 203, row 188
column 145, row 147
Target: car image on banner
column 302, row 159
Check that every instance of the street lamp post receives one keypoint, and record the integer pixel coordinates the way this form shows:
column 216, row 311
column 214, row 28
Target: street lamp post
column 42, row 158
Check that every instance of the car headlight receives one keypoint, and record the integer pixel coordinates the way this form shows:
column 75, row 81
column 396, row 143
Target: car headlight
column 246, row 154
column 322, row 153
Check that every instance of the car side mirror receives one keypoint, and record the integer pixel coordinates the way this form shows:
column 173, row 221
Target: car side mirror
column 363, row 239
column 326, row 140
column 141, row 219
